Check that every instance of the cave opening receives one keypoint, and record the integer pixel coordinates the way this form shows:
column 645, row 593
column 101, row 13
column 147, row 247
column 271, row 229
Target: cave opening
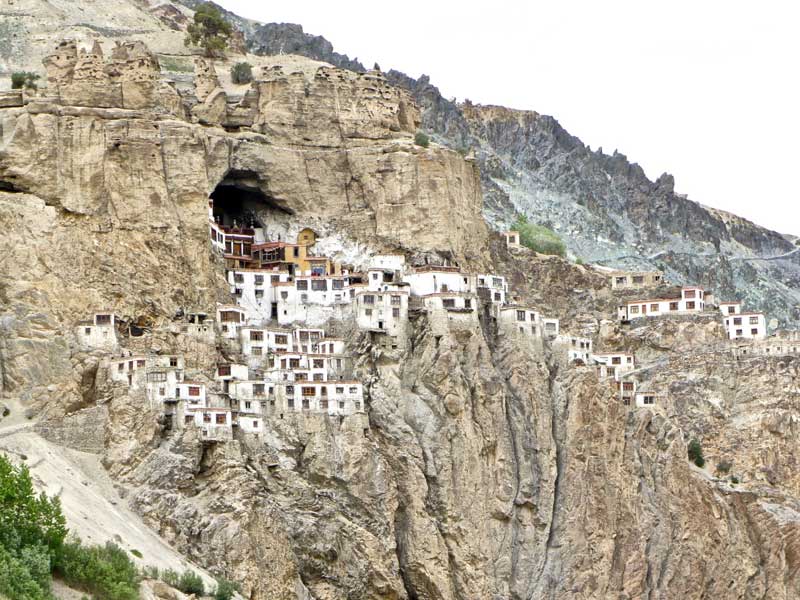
column 239, row 201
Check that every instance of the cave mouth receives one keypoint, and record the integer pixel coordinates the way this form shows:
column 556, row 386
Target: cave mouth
column 239, row 200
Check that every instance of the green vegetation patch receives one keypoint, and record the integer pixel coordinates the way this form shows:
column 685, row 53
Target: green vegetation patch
column 539, row 238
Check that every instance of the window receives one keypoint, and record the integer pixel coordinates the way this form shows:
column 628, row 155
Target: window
column 368, row 312
column 302, row 284
column 258, row 389
column 259, row 293
column 340, row 390
column 296, row 251
column 121, row 366
column 754, row 331
column 224, row 370
column 375, row 276
column 738, row 332
column 290, row 390
column 294, row 363
column 673, row 306
column 102, row 320
column 497, row 282
column 299, row 376
column 689, row 294
column 634, row 310
column 627, row 386
column 445, row 288
column 290, row 403
column 737, row 321
column 319, row 377
column 309, row 391
column 731, row 310
column 753, row 320
column 638, row 279
column 259, row 280
column 616, row 360
column 280, row 339
column 206, row 418
column 238, row 278
column 369, row 299
column 520, row 315
column 87, row 331
column 622, row 280
column 353, row 390
column 255, row 423
column 194, row 390
column 221, row 419
column 187, row 419
column 449, row 303
column 284, row 296
column 656, row 277
column 157, row 376
column 649, row 400
column 319, row 363
column 319, row 285
column 256, row 351
column 690, row 305
column 247, row 404
column 654, row 308
column 395, row 300
column 396, row 313
column 256, row 336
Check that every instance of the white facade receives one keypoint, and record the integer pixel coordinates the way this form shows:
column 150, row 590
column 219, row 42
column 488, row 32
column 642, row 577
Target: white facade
column 614, row 364
column 746, row 326
column 550, row 327
column 231, row 371
column 522, row 319
column 512, row 239
column 434, row 280
column 492, row 288
column 229, row 319
column 332, row 398
column 99, row 333
column 382, row 311
column 192, row 393
column 730, row 308
column 213, row 423
column 692, row 300
column 578, row 348
column 646, row 399
column 393, row 262
column 259, row 341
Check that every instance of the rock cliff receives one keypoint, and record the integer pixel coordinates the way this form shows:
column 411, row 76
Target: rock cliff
column 484, row 466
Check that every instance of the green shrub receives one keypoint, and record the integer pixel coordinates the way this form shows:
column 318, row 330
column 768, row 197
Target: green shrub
column 136, row 553
column 209, row 30
column 23, row 79
column 170, row 577
column 191, row 583
column 734, row 479
column 724, row 466
column 579, row 261
column 539, row 238
column 242, row 72
column 225, row 589
column 422, row 140
column 695, row 452
column 105, row 571
column 17, row 581
column 150, row 572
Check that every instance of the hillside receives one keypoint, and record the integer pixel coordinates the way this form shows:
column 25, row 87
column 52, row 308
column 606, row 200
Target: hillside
column 261, row 331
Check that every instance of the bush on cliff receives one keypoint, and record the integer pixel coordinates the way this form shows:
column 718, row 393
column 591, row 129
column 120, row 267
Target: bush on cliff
column 23, row 79
column 105, row 571
column 242, row 72
column 539, row 238
column 695, row 453
column 209, row 30
column 421, row 139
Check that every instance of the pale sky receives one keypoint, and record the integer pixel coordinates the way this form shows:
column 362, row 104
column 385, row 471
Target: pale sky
column 704, row 89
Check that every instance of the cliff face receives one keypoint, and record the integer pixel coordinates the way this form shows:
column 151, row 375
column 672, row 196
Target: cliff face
column 484, row 466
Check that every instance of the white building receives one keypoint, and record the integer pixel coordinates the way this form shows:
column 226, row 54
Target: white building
column 332, row 398
column 99, row 333
column 730, row 308
column 520, row 318
column 382, row 311
column 746, row 326
column 492, row 288
column 626, row 280
column 259, row 341
column 229, row 319
column 646, row 399
column 613, row 364
column 578, row 348
column 550, row 327
column 192, row 393
column 458, row 306
column 214, row 423
column 692, row 300
column 123, row 369
column 424, row 281
column 512, row 239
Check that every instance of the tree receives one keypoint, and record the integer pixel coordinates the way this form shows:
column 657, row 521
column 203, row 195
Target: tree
column 209, row 30
column 23, row 79
column 695, row 453
column 191, row 583
column 242, row 72
column 225, row 589
column 421, row 139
